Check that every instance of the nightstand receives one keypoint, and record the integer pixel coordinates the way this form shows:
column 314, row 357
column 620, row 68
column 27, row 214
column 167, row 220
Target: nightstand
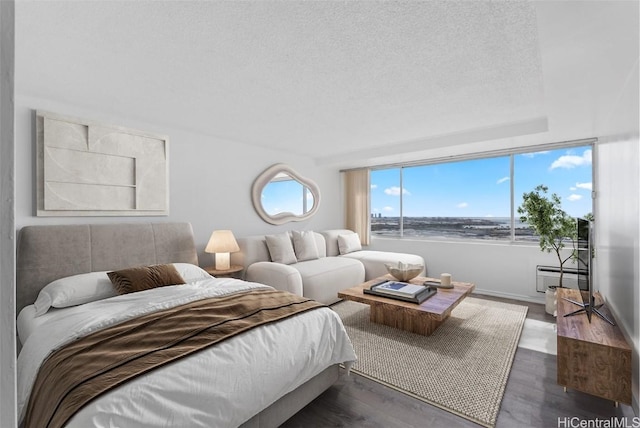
column 221, row 273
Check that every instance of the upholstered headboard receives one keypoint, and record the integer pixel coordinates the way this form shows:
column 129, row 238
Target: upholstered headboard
column 46, row 253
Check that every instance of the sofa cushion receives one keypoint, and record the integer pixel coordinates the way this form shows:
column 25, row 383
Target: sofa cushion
column 349, row 243
column 324, row 277
column 374, row 261
column 331, row 240
column 304, row 245
column 281, row 249
column 279, row 276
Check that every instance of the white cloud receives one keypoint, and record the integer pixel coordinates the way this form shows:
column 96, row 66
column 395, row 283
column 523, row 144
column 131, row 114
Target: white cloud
column 571, row 161
column 573, row 197
column 489, row 216
column 388, row 209
column 374, row 186
column 395, row 191
column 588, row 186
column 462, row 205
column 573, row 189
column 502, row 180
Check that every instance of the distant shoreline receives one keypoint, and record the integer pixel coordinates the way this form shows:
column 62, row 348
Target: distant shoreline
column 452, row 227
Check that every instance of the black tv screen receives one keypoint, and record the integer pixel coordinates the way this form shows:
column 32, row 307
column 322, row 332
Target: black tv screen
column 583, row 261
column 584, row 256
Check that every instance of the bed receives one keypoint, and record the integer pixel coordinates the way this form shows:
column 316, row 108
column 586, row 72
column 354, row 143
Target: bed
column 258, row 378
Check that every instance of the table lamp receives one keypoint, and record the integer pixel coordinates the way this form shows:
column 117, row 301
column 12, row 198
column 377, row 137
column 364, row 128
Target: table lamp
column 221, row 243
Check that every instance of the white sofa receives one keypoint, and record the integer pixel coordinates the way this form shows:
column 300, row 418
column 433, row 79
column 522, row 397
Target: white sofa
column 320, row 279
column 373, row 261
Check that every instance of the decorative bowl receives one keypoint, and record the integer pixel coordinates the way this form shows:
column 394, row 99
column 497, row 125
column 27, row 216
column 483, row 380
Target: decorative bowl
column 403, row 271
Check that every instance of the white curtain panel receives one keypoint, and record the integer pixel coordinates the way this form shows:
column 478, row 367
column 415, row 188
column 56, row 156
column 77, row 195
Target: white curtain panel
column 357, row 203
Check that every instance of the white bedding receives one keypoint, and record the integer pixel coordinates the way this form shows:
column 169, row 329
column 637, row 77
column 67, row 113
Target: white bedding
column 28, row 322
column 222, row 386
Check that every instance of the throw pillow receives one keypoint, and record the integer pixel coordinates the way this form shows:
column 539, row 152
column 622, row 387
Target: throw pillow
column 281, row 249
column 191, row 273
column 349, row 243
column 74, row 290
column 304, row 244
column 144, row 278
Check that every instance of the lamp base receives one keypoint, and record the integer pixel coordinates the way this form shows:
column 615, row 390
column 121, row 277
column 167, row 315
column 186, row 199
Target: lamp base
column 222, row 261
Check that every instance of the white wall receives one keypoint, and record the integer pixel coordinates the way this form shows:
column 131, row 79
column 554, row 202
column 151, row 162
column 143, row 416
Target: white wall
column 617, row 207
column 498, row 269
column 210, row 179
column 618, row 197
column 618, row 277
column 7, row 226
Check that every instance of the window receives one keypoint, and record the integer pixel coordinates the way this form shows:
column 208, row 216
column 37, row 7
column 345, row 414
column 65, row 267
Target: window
column 566, row 172
column 286, row 195
column 385, row 202
column 475, row 198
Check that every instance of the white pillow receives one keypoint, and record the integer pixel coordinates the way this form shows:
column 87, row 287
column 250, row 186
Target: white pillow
column 191, row 273
column 280, row 248
column 74, row 290
column 349, row 243
column 304, row 244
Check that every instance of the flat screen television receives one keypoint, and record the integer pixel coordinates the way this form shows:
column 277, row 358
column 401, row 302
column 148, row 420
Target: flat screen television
column 584, row 256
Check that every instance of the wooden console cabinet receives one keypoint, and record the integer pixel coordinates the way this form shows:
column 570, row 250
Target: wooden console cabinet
column 592, row 357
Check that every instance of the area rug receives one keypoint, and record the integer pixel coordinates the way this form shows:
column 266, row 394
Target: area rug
column 462, row 367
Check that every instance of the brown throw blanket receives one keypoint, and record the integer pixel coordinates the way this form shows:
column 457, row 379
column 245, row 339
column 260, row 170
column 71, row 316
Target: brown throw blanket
column 82, row 370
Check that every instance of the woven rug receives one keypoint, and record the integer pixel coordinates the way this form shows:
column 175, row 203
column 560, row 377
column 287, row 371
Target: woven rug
column 462, row 367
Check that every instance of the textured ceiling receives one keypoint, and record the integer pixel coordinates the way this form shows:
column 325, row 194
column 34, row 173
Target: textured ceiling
column 327, row 79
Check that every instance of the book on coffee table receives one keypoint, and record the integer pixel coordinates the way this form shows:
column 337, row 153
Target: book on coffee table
column 399, row 288
column 401, row 291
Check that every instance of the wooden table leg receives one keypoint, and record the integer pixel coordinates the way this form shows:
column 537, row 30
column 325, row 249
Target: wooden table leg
column 418, row 323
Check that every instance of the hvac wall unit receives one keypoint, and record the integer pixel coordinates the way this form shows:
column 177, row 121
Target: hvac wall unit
column 547, row 276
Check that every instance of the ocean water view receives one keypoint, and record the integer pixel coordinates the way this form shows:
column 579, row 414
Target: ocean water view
column 452, row 227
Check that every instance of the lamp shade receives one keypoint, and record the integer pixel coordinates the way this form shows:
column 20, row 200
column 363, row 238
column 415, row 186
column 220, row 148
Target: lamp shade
column 222, row 241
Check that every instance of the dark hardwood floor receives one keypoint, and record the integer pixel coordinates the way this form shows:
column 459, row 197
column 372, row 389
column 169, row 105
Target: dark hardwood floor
column 532, row 399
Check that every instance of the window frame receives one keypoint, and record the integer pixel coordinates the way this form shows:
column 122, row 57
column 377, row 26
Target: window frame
column 511, row 153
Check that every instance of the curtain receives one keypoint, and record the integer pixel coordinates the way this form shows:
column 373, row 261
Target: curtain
column 357, row 203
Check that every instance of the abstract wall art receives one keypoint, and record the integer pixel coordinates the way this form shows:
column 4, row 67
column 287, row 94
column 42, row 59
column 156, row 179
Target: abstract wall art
column 86, row 168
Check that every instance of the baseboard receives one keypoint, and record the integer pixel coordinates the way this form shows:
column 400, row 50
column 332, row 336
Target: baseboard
column 529, row 299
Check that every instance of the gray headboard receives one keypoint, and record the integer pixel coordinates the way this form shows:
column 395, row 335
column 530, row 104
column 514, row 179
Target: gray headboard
column 46, row 253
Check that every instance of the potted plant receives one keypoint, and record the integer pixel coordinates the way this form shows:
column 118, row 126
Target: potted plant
column 552, row 225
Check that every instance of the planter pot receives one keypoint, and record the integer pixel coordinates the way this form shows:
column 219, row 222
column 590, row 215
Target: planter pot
column 551, row 301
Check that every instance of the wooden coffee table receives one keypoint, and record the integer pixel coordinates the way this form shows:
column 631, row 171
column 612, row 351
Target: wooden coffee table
column 423, row 319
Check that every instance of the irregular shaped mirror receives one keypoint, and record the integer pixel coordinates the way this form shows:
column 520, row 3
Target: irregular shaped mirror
column 281, row 195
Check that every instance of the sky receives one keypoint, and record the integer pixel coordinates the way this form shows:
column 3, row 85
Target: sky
column 481, row 187
column 285, row 196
